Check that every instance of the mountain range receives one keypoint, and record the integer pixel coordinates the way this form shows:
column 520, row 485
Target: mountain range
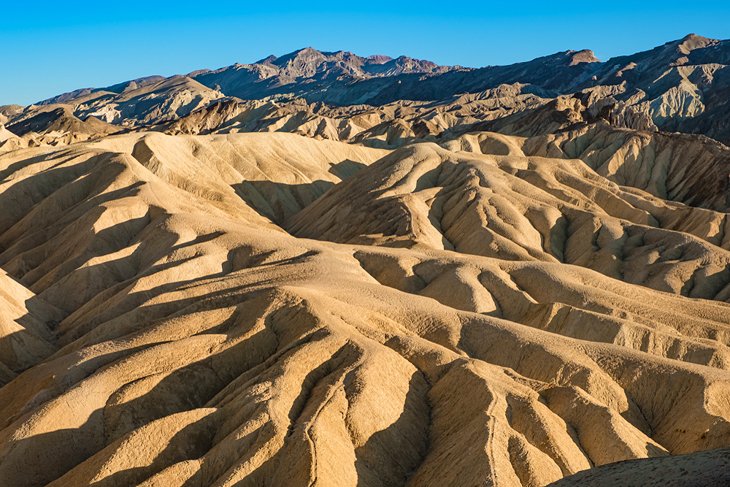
column 679, row 86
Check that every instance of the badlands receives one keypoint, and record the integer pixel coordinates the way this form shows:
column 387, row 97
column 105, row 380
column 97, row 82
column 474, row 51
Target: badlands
column 323, row 269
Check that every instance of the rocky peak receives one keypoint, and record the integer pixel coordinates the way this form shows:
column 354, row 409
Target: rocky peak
column 582, row 56
column 267, row 60
column 691, row 42
column 378, row 59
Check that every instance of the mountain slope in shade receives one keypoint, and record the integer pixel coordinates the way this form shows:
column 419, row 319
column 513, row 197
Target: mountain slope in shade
column 59, row 119
column 25, row 335
column 700, row 469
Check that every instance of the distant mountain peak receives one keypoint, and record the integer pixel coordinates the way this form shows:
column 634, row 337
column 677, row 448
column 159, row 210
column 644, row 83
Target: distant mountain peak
column 695, row 37
column 563, row 58
column 582, row 56
column 379, row 59
column 267, row 60
column 690, row 42
column 306, row 54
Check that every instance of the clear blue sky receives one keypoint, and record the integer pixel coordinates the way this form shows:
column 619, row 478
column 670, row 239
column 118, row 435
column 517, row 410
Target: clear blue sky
column 53, row 47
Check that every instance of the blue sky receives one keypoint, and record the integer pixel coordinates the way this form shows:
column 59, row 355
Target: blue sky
column 52, row 47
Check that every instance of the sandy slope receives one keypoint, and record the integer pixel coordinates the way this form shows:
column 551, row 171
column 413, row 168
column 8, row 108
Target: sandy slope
column 525, row 208
column 266, row 309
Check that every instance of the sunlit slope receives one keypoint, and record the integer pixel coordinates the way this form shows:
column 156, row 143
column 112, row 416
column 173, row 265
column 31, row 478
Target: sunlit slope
column 525, row 209
column 190, row 340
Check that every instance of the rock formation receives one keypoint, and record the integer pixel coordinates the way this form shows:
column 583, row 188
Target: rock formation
column 522, row 280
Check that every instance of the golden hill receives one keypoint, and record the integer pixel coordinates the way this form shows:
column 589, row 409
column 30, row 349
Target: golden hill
column 270, row 309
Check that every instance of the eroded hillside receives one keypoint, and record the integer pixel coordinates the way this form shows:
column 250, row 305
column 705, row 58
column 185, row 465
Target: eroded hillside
column 271, row 309
column 327, row 269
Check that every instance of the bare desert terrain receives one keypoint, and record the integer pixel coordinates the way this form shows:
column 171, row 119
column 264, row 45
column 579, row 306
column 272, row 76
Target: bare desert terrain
column 423, row 275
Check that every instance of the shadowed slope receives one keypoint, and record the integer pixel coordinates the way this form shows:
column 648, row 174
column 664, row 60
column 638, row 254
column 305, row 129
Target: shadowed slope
column 697, row 469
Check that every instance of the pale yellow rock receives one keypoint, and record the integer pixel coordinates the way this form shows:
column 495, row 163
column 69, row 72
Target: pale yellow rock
column 270, row 309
